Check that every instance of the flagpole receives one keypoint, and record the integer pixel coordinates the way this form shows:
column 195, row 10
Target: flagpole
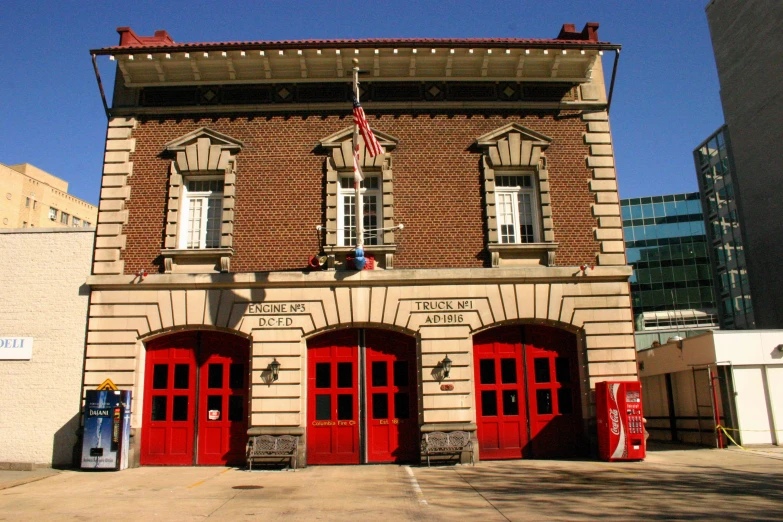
column 359, row 207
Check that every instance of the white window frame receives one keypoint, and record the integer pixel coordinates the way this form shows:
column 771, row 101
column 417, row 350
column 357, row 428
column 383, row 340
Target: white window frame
column 76, row 222
column 52, row 213
column 511, row 196
column 371, row 237
column 188, row 197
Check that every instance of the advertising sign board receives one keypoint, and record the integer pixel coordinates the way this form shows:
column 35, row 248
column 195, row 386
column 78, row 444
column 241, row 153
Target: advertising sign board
column 106, row 429
column 16, row 348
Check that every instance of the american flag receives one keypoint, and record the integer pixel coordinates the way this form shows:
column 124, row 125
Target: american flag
column 358, row 175
column 373, row 147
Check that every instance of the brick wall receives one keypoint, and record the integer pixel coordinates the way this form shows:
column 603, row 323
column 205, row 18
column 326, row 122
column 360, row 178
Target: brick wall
column 280, row 188
column 42, row 273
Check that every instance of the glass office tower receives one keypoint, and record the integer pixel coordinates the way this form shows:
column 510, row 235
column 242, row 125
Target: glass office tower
column 672, row 283
column 714, row 167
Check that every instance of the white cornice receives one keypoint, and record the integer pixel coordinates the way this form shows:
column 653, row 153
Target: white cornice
column 143, row 69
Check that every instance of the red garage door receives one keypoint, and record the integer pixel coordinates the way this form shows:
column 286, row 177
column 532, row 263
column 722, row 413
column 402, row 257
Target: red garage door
column 195, row 396
column 392, row 420
column 527, row 393
column 333, row 399
column 339, row 430
column 500, row 394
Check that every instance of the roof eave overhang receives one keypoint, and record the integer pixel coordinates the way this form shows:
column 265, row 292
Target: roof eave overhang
column 145, row 66
column 331, row 45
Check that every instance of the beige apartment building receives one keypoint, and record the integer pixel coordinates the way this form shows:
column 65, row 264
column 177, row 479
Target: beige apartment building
column 31, row 197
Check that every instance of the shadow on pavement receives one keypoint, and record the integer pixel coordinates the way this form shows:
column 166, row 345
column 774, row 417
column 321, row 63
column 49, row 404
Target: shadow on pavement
column 570, row 491
column 653, row 446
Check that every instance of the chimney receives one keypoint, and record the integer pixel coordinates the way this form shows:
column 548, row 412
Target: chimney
column 130, row 39
column 589, row 33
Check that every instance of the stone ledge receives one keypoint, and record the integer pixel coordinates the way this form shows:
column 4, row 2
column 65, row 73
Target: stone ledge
column 448, row 426
column 522, row 251
column 219, row 257
column 17, row 466
column 404, row 277
column 42, row 230
column 276, row 430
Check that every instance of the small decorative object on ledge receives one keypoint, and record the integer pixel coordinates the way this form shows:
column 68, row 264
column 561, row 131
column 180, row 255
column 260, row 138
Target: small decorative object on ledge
column 359, row 260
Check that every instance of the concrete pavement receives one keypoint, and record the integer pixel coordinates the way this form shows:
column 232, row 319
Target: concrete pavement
column 676, row 484
column 13, row 478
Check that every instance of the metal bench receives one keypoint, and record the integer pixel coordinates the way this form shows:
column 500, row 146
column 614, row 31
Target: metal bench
column 267, row 446
column 443, row 443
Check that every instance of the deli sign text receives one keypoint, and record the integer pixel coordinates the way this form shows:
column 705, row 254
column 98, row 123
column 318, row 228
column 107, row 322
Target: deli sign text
column 16, row 348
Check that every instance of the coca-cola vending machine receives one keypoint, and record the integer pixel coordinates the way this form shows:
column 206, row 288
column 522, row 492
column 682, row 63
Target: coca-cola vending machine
column 620, row 420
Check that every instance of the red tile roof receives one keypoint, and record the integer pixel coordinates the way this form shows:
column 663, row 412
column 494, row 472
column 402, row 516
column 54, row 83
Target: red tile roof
column 161, row 41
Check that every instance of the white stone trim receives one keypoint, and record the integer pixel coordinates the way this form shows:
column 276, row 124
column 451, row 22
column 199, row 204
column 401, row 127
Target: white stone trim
column 515, row 148
column 115, row 192
column 598, row 311
column 604, row 186
column 340, row 161
column 201, row 152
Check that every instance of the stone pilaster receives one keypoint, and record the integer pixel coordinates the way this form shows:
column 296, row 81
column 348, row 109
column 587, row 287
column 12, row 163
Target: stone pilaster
column 112, row 215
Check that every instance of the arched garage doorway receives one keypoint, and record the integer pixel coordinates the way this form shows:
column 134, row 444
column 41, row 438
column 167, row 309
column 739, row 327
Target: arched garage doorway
column 195, row 399
column 527, row 393
column 362, row 401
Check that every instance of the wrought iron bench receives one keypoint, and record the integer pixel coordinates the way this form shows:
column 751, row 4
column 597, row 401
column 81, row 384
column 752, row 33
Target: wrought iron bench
column 268, row 446
column 443, row 443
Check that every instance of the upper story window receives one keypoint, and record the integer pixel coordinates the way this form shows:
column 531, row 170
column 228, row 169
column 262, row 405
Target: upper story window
column 64, row 217
column 76, row 222
column 516, row 208
column 202, row 207
column 52, row 213
column 516, row 191
column 378, row 223
column 87, row 224
column 373, row 211
column 200, row 216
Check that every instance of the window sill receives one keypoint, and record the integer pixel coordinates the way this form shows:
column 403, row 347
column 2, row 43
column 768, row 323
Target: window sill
column 522, row 254
column 197, row 261
column 383, row 255
column 369, row 249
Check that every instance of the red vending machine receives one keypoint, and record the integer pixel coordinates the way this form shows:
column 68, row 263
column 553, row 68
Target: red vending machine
column 620, row 424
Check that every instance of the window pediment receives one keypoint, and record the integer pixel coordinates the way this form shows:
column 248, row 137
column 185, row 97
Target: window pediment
column 204, row 150
column 387, row 141
column 339, row 147
column 513, row 145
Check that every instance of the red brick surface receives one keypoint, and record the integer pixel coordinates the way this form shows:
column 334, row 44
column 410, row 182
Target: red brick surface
column 438, row 189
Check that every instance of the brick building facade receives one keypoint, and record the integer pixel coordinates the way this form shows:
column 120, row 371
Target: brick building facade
column 225, row 235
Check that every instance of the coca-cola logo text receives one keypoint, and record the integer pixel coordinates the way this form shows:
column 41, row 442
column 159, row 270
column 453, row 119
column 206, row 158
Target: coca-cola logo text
column 614, row 415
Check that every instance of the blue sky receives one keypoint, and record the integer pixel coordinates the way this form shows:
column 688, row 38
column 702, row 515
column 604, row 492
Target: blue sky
column 666, row 99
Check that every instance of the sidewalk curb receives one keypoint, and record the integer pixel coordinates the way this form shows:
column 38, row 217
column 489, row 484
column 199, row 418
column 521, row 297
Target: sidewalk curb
column 28, row 480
